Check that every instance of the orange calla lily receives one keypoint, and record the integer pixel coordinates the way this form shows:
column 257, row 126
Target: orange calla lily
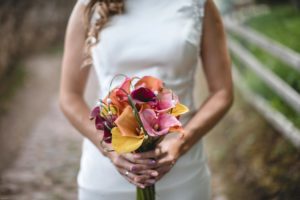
column 124, row 144
column 150, row 82
column 126, row 137
column 115, row 99
column 124, row 90
column 179, row 109
column 127, row 123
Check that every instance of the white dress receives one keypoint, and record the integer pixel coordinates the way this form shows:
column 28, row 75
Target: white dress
column 160, row 38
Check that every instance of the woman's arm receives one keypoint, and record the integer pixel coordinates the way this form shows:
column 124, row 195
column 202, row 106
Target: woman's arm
column 217, row 69
column 74, row 78
column 73, row 105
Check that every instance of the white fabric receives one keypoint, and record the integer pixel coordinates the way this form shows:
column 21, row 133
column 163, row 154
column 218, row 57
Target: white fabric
column 160, row 38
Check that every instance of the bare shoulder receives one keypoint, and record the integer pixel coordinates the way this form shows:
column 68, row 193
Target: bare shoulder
column 212, row 13
column 213, row 24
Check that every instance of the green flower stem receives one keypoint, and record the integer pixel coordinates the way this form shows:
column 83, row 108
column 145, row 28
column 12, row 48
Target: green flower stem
column 145, row 194
column 136, row 113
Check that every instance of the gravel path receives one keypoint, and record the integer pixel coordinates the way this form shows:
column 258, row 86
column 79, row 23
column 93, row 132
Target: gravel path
column 48, row 161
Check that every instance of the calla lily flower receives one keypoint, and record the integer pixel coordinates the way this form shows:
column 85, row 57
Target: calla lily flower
column 179, row 109
column 166, row 100
column 143, row 95
column 127, row 136
column 124, row 144
column 95, row 112
column 117, row 100
column 150, row 82
column 124, row 90
column 99, row 120
column 108, row 110
column 104, row 120
column 107, row 136
column 119, row 95
column 127, row 123
column 158, row 124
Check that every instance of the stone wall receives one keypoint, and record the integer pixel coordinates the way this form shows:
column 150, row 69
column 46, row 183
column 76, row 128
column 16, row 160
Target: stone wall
column 30, row 25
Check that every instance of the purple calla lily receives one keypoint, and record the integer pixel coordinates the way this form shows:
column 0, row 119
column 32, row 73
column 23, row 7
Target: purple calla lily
column 143, row 95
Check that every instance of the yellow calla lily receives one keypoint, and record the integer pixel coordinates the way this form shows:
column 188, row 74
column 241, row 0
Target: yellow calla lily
column 179, row 109
column 125, row 144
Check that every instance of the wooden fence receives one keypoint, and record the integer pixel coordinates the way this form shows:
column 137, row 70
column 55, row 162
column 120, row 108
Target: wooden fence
column 279, row 86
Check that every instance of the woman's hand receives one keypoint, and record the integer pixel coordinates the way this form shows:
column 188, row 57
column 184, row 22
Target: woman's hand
column 165, row 154
column 139, row 172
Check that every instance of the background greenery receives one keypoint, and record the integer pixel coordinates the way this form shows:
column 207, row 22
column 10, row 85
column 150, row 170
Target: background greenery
column 257, row 162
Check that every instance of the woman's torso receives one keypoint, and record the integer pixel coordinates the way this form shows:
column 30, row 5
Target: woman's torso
column 160, row 38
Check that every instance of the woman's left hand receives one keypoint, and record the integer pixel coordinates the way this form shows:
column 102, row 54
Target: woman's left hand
column 165, row 154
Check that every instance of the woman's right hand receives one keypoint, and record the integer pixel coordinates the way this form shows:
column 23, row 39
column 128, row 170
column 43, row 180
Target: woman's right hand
column 139, row 172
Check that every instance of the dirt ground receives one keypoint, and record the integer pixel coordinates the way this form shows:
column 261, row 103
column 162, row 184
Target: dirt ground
column 49, row 148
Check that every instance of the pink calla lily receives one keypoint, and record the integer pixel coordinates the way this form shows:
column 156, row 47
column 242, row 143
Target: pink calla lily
column 158, row 124
column 166, row 100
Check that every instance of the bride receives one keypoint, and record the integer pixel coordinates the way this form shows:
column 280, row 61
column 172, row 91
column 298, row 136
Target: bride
column 161, row 38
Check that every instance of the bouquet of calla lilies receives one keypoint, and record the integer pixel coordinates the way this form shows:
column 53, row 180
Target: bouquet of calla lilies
column 136, row 115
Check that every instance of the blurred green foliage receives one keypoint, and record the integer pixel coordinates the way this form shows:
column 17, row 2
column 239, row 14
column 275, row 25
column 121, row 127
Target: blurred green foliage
column 282, row 25
column 295, row 3
column 271, row 25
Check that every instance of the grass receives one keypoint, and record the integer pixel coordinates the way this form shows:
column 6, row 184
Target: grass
column 272, row 25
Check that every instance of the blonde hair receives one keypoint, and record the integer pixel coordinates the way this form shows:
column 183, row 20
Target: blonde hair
column 105, row 9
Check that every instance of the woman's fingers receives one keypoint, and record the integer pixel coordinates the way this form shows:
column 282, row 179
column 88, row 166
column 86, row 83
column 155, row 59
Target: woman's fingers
column 138, row 180
column 130, row 177
column 144, row 161
column 154, row 154
column 136, row 174
column 162, row 171
column 148, row 155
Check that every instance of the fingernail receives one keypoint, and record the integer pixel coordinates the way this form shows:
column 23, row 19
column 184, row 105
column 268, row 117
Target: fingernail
column 152, row 162
column 154, row 173
column 133, row 168
column 136, row 156
column 142, row 186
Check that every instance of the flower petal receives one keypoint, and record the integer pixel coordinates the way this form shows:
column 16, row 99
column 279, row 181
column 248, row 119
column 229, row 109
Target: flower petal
column 166, row 100
column 152, row 123
column 99, row 122
column 176, row 129
column 95, row 112
column 148, row 118
column 127, row 123
column 142, row 95
column 179, row 109
column 168, row 121
column 124, row 89
column 105, row 110
column 107, row 135
column 116, row 101
column 150, row 82
column 125, row 144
